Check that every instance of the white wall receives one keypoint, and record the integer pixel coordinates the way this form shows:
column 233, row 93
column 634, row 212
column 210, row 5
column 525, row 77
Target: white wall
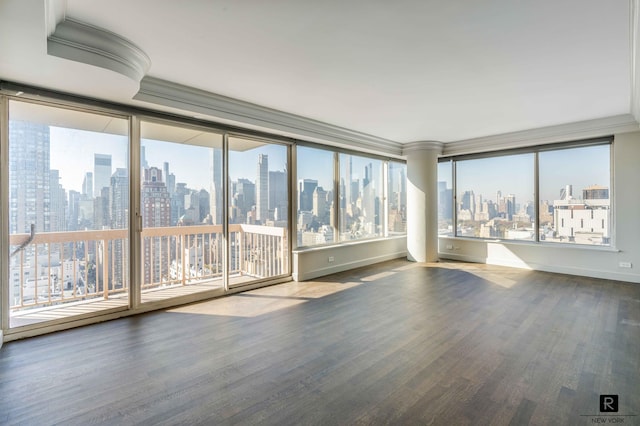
column 312, row 263
column 593, row 262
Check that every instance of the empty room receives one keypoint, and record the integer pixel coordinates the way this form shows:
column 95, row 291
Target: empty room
column 418, row 212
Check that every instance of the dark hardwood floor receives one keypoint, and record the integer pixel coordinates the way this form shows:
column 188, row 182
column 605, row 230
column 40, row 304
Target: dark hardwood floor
column 396, row 343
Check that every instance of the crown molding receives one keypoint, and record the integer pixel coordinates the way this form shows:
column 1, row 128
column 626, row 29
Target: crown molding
column 81, row 42
column 55, row 11
column 623, row 123
column 169, row 94
column 410, row 147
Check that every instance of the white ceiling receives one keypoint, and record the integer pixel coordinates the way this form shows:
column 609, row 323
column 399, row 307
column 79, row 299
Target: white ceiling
column 404, row 71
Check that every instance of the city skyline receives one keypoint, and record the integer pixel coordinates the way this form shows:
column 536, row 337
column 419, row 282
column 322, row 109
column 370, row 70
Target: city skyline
column 513, row 174
column 71, row 149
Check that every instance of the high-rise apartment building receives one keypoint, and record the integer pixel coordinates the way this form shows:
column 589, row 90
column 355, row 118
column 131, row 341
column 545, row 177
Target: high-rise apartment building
column 58, row 206
column 156, row 205
column 119, row 199
column 29, row 177
column 87, row 186
column 156, row 212
column 215, row 193
column 319, row 202
column 278, row 195
column 349, row 197
column 73, row 210
column 262, row 189
column 305, row 194
column 101, row 173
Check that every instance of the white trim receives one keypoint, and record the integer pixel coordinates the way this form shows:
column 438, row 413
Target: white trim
column 80, row 42
column 54, row 11
column 166, row 93
column 410, row 147
column 580, row 272
column 623, row 123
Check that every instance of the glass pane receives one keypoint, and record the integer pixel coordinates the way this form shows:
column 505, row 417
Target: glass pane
column 181, row 206
column 445, row 198
column 575, row 204
column 397, row 201
column 69, row 204
column 315, row 196
column 258, row 206
column 360, row 197
column 495, row 197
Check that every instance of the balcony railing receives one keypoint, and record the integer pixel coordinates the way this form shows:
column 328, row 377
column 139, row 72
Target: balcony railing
column 60, row 267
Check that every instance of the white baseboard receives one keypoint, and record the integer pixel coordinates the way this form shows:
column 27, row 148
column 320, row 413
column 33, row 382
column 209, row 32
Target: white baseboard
column 569, row 270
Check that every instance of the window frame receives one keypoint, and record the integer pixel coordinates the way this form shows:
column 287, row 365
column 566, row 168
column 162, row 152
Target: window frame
column 536, row 150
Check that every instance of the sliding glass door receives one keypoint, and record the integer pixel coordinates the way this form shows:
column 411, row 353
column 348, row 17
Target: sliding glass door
column 258, row 206
column 68, row 213
column 181, row 204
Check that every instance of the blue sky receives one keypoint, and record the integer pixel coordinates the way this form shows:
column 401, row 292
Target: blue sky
column 72, row 153
column 580, row 167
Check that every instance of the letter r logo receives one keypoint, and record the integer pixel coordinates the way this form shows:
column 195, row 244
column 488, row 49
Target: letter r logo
column 608, row 403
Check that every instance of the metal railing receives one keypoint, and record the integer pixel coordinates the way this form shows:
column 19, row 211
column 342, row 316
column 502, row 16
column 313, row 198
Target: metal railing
column 60, row 267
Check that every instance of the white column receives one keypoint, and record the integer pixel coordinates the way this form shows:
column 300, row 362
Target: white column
column 422, row 200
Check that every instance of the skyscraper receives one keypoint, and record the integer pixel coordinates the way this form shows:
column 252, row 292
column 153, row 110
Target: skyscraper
column 156, row 205
column 29, row 177
column 305, row 194
column 101, row 173
column 119, row 210
column 119, row 199
column 215, row 193
column 278, row 194
column 87, row 186
column 73, row 210
column 319, row 202
column 348, row 178
column 510, row 202
column 262, row 189
column 58, row 203
column 156, row 212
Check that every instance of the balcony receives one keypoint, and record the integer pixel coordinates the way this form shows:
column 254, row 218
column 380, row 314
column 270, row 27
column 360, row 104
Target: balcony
column 57, row 275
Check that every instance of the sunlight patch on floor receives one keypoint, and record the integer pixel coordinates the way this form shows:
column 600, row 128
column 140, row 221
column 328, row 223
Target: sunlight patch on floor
column 266, row 300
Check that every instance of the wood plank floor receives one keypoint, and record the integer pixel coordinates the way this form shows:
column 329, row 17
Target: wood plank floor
column 396, row 343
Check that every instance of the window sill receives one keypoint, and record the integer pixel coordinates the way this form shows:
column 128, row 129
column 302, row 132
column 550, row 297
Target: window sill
column 331, row 246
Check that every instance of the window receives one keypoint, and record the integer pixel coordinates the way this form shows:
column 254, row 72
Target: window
column 371, row 192
column 574, row 193
column 445, row 198
column 397, row 198
column 496, row 198
column 361, row 196
column 315, row 211
column 68, row 209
